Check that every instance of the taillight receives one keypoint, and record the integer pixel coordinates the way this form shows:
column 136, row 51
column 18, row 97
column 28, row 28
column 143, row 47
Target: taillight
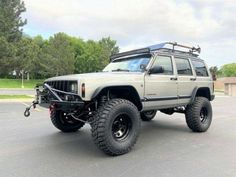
column 213, row 86
column 83, row 90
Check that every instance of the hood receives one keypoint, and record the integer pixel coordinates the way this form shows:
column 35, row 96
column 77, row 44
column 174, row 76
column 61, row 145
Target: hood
column 95, row 81
column 97, row 76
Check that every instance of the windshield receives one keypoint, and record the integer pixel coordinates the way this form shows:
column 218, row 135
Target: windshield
column 131, row 64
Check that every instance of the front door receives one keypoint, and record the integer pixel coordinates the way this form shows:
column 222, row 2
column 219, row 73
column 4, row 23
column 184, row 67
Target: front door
column 161, row 88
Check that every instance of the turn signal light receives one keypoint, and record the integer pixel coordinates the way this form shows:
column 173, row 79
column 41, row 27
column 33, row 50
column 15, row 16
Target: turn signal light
column 83, row 90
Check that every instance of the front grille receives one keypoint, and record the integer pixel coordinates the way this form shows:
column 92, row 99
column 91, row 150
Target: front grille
column 65, row 86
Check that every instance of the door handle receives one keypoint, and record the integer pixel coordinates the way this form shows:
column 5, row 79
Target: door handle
column 173, row 78
column 192, row 79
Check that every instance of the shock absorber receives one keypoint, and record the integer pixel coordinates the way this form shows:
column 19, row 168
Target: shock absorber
column 103, row 99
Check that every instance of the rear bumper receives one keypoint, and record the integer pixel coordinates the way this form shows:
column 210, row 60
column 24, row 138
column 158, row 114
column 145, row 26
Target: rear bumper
column 59, row 99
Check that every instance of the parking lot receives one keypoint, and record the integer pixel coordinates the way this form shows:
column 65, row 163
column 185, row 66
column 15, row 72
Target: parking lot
column 166, row 147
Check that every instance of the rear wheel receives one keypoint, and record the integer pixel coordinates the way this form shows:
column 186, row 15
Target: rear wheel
column 199, row 115
column 148, row 115
column 64, row 122
column 116, row 126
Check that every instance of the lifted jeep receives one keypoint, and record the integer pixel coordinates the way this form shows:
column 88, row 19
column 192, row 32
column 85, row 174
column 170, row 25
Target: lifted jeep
column 132, row 87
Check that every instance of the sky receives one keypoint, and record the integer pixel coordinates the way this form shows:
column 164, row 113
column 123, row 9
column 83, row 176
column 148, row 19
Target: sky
column 211, row 24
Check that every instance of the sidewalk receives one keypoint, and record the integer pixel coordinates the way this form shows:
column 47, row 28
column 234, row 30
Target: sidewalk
column 12, row 91
column 27, row 100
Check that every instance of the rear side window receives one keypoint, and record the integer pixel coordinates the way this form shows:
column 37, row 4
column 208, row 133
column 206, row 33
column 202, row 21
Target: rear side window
column 166, row 63
column 183, row 66
column 200, row 68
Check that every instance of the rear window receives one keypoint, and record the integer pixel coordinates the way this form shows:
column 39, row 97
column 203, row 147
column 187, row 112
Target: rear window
column 200, row 68
column 183, row 66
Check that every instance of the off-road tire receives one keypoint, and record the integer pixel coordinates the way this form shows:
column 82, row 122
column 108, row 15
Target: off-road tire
column 105, row 120
column 194, row 114
column 148, row 115
column 65, row 126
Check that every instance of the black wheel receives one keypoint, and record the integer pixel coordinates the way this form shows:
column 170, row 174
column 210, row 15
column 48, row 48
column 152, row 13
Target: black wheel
column 199, row 115
column 148, row 115
column 116, row 126
column 65, row 123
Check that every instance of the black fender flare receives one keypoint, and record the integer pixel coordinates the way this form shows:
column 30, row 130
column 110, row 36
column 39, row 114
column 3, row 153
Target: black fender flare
column 101, row 89
column 194, row 93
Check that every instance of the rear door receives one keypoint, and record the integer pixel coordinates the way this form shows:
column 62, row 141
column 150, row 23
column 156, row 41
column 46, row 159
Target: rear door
column 186, row 79
column 204, row 78
column 161, row 89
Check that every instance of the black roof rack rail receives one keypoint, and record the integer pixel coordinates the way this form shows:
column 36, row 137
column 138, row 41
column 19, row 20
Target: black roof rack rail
column 177, row 52
column 131, row 52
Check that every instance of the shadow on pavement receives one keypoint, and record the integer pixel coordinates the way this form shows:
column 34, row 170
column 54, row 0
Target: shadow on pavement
column 80, row 143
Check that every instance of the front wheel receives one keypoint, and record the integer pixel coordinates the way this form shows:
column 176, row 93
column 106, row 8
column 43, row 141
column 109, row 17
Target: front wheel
column 116, row 126
column 199, row 115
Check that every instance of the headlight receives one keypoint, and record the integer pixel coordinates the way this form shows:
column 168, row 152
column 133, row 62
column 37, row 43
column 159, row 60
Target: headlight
column 74, row 87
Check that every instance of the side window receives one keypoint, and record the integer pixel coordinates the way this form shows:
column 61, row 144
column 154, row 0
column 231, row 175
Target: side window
column 183, row 66
column 200, row 68
column 166, row 64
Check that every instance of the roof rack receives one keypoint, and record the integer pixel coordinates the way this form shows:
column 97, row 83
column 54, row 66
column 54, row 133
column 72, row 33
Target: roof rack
column 147, row 50
column 175, row 44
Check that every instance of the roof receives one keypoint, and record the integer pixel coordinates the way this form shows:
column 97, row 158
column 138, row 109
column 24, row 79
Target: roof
column 164, row 47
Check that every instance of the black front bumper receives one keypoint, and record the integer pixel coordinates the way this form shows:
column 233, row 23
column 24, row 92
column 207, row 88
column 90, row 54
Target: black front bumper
column 60, row 100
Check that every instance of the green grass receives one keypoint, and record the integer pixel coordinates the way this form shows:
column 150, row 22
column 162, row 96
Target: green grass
column 14, row 96
column 16, row 83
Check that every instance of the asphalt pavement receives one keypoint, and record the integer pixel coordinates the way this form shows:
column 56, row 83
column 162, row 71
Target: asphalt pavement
column 32, row 147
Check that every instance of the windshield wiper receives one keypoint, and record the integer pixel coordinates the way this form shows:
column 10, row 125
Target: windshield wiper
column 126, row 70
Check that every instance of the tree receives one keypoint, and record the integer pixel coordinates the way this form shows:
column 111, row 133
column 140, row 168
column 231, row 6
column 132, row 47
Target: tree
column 7, row 53
column 109, row 48
column 94, row 56
column 26, row 56
column 10, row 32
column 59, row 55
column 11, row 22
column 90, row 59
column 228, row 70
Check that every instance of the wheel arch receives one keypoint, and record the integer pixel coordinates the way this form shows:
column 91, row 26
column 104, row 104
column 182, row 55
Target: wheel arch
column 122, row 91
column 201, row 91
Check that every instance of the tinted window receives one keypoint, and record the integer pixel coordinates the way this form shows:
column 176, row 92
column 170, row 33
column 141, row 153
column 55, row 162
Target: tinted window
column 183, row 66
column 165, row 63
column 132, row 64
column 200, row 68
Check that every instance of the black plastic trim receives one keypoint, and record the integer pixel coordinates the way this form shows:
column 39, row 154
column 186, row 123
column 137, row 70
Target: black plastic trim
column 132, row 52
column 165, row 98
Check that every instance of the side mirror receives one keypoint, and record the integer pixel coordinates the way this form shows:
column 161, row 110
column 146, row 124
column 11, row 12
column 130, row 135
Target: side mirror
column 156, row 70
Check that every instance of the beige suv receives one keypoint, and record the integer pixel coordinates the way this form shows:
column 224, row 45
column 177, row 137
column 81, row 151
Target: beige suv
column 132, row 87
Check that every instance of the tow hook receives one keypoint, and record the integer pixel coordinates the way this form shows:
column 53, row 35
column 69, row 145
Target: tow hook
column 27, row 110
